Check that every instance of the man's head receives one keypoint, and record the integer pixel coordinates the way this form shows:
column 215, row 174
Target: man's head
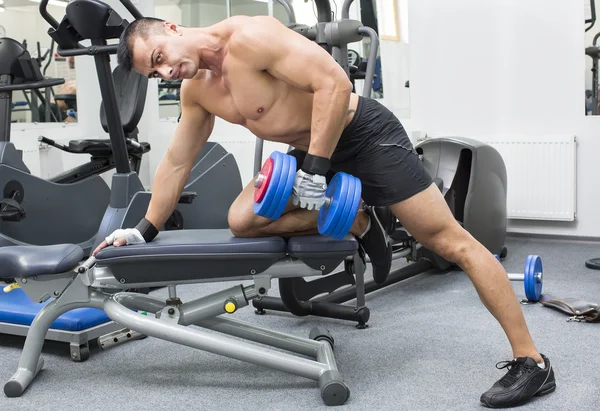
column 156, row 48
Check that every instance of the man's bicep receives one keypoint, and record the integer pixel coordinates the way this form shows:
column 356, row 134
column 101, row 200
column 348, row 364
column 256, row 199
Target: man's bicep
column 289, row 56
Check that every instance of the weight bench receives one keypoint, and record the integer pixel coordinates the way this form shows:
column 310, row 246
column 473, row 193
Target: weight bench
column 177, row 258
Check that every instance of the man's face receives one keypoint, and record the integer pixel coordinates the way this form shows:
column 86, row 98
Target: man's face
column 165, row 55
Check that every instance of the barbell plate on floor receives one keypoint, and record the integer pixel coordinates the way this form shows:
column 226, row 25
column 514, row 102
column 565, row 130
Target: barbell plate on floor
column 333, row 218
column 279, row 187
column 351, row 209
column 533, row 287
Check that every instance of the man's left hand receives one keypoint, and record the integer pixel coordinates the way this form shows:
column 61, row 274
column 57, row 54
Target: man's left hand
column 309, row 190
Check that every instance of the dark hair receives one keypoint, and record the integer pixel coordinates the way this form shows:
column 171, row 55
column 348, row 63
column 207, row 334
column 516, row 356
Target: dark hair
column 141, row 27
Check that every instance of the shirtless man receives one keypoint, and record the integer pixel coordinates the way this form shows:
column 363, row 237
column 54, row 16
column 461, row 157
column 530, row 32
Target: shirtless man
column 255, row 72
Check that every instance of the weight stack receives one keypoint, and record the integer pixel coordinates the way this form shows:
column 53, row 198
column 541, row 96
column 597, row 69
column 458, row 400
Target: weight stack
column 474, row 187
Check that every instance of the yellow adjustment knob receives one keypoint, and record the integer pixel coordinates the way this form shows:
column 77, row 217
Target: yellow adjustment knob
column 11, row 287
column 230, row 306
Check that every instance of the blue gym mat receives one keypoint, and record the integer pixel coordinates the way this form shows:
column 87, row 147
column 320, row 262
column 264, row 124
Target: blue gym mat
column 17, row 308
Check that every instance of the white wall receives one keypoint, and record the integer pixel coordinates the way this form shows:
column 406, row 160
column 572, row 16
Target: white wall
column 504, row 68
column 395, row 66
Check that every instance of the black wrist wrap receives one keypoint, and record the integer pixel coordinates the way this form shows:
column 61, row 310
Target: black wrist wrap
column 316, row 165
column 147, row 230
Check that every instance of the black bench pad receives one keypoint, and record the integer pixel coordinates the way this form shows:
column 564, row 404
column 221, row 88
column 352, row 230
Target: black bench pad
column 30, row 261
column 320, row 252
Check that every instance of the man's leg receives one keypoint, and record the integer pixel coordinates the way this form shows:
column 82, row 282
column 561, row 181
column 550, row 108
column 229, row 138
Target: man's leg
column 427, row 217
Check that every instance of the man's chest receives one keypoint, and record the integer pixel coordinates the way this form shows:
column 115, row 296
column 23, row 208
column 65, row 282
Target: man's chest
column 242, row 93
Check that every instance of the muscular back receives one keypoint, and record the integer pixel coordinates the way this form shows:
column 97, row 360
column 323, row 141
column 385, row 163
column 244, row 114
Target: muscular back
column 272, row 108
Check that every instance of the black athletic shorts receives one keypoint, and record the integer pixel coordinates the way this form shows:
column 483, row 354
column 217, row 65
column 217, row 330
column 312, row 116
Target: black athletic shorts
column 375, row 148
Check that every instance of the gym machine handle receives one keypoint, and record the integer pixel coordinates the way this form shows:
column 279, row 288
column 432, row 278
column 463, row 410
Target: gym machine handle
column 133, row 143
column 34, row 85
column 53, row 143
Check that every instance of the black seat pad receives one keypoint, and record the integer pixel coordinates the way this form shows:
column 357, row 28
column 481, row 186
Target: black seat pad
column 30, row 261
column 192, row 255
column 94, row 147
column 102, row 148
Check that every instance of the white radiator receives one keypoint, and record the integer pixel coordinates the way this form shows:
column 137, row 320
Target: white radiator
column 541, row 177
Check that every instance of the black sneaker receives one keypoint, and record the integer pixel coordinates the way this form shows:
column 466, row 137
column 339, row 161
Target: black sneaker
column 524, row 380
column 377, row 246
column 387, row 218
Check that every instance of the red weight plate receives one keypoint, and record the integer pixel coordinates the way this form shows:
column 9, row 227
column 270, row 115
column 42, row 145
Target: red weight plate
column 265, row 172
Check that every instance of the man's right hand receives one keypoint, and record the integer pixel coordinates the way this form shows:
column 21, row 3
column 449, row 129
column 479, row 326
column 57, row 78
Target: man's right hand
column 122, row 236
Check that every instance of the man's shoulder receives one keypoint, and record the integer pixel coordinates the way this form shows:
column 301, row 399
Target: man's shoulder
column 192, row 89
column 244, row 29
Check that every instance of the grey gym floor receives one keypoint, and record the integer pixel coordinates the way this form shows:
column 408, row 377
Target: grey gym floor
column 431, row 345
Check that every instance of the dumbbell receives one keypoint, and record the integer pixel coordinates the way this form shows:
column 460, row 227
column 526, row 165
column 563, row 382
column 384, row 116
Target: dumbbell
column 273, row 188
column 532, row 277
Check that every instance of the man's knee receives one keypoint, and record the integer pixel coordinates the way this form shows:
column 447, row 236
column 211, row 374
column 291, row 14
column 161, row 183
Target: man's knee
column 240, row 222
column 453, row 244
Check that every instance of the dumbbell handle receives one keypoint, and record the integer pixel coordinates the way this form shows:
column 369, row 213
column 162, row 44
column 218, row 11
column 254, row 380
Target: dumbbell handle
column 260, row 179
column 521, row 277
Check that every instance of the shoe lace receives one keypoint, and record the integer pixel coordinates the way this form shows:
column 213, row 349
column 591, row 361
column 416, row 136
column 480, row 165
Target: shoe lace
column 516, row 369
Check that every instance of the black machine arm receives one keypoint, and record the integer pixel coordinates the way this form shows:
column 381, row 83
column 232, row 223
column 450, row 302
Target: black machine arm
column 49, row 82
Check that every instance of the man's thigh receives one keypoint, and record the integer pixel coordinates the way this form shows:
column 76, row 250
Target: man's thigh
column 427, row 217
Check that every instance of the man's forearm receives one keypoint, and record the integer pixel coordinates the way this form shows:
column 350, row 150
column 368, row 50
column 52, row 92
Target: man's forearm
column 169, row 182
column 330, row 107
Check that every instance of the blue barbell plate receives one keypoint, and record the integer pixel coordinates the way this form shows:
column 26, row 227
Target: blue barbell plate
column 352, row 200
column 336, row 219
column 533, row 288
column 280, row 186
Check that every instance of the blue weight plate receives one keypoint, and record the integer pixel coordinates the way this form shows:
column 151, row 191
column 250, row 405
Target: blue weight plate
column 354, row 207
column 352, row 203
column 288, row 175
column 533, row 288
column 330, row 215
column 261, row 208
column 345, row 199
column 279, row 201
